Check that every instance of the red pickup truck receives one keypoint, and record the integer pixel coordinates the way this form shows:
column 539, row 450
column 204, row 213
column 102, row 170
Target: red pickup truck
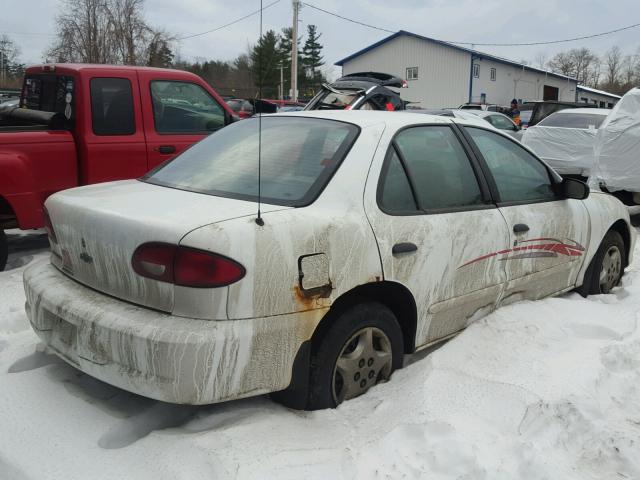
column 83, row 124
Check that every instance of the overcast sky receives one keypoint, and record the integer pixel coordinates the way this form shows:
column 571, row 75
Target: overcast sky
column 29, row 21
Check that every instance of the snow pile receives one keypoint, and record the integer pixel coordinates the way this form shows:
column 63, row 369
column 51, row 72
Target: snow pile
column 537, row 390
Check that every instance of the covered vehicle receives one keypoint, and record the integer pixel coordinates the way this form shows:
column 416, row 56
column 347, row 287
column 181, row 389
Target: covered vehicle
column 565, row 139
column 617, row 149
column 360, row 91
column 379, row 235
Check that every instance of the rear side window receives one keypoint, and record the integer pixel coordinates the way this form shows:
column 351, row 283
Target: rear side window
column 112, row 106
column 298, row 157
column 183, row 107
column 396, row 196
column 573, row 120
column 438, row 168
column 500, row 122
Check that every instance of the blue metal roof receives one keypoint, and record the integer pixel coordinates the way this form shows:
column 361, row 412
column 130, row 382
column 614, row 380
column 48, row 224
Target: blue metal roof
column 473, row 53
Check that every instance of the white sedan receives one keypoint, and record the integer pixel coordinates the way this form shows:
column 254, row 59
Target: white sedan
column 379, row 234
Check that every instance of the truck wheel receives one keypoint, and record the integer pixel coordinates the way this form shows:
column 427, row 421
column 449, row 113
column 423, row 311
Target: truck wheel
column 606, row 267
column 361, row 349
column 4, row 250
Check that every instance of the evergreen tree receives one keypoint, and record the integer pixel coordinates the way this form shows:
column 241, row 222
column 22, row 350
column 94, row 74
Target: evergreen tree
column 284, row 49
column 265, row 60
column 312, row 58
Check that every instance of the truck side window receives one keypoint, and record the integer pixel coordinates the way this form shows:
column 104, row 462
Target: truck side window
column 183, row 107
column 112, row 106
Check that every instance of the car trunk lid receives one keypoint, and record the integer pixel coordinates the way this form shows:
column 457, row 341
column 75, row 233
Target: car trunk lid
column 99, row 227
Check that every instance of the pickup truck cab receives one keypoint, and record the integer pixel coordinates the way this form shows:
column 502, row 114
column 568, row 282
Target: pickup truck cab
column 118, row 122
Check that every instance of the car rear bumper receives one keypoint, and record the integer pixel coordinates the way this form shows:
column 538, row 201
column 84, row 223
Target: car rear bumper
column 161, row 356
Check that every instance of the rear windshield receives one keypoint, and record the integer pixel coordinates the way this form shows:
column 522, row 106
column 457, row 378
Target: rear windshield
column 298, row 157
column 328, row 100
column 573, row 120
column 49, row 93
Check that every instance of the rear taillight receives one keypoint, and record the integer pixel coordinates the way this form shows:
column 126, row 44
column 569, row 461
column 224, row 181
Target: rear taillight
column 185, row 266
column 49, row 226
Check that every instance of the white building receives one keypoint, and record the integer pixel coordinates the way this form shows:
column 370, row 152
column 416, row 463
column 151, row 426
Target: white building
column 597, row 97
column 441, row 74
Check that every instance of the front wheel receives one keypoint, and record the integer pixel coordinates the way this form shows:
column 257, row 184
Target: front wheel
column 361, row 349
column 607, row 266
column 4, row 250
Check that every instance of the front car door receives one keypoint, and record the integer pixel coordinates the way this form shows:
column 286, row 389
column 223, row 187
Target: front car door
column 181, row 114
column 549, row 233
column 431, row 213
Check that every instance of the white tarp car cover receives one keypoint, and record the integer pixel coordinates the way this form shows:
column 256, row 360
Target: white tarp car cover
column 566, row 150
column 617, row 146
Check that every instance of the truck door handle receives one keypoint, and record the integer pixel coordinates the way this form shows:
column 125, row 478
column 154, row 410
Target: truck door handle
column 166, row 149
column 400, row 248
column 520, row 228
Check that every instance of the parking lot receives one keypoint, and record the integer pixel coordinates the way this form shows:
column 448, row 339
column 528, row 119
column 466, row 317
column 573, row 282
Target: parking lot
column 536, row 390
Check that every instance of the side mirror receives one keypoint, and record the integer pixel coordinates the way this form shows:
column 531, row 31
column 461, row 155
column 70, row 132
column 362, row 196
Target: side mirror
column 574, row 188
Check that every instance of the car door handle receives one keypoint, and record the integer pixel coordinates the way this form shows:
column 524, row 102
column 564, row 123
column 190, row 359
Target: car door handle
column 400, row 248
column 520, row 228
column 166, row 149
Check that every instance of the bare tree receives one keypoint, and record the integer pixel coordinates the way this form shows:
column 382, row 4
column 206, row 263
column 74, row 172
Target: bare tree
column 563, row 62
column 613, row 66
column 540, row 59
column 107, row 31
column 11, row 69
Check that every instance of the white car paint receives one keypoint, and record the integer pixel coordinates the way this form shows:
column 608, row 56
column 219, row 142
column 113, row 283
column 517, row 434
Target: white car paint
column 206, row 345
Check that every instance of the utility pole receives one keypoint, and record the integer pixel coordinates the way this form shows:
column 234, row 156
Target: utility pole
column 281, row 81
column 294, row 52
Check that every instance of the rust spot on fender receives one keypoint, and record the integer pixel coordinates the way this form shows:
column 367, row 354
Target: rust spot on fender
column 308, row 299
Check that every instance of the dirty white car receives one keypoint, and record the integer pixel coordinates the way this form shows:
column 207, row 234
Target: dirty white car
column 379, row 234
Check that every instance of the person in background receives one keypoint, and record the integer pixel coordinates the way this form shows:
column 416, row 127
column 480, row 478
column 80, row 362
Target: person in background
column 514, row 113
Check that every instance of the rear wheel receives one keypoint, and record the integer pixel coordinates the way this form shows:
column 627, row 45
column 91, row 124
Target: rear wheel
column 361, row 349
column 4, row 250
column 607, row 266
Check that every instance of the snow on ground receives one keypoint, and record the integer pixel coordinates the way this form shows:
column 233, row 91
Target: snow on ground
column 537, row 390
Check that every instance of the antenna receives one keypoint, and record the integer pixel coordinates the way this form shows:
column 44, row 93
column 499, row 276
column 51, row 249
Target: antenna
column 259, row 219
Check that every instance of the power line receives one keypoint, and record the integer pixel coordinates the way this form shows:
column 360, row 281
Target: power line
column 260, row 10
column 348, row 19
column 584, row 37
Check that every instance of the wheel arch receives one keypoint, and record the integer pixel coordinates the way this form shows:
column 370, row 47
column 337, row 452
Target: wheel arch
column 393, row 295
column 623, row 229
column 8, row 216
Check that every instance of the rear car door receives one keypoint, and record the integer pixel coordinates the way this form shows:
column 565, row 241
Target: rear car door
column 548, row 233
column 181, row 113
column 112, row 146
column 432, row 216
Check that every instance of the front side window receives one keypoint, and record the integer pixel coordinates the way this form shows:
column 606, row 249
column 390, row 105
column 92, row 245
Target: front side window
column 184, row 108
column 438, row 167
column 412, row 73
column 112, row 106
column 519, row 176
column 298, row 156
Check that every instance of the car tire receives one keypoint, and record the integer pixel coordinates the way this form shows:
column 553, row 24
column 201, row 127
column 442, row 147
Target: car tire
column 4, row 250
column 606, row 267
column 361, row 349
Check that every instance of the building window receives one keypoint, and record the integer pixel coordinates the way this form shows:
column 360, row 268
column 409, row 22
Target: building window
column 493, row 74
column 476, row 70
column 601, row 104
column 412, row 73
column 610, row 105
column 585, row 100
